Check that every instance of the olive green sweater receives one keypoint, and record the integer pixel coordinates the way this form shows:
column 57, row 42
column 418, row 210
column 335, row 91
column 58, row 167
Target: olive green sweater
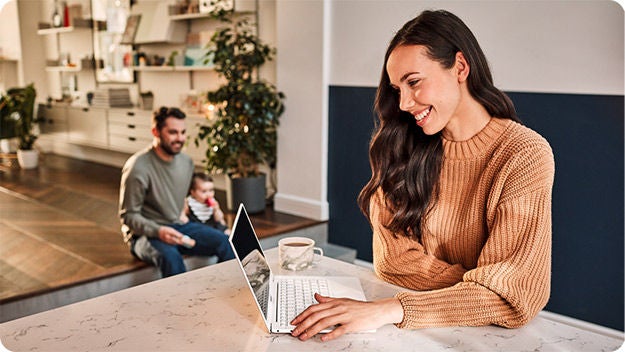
column 485, row 253
column 152, row 192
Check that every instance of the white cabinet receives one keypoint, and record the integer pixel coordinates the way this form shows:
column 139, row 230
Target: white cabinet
column 129, row 130
column 87, row 126
column 54, row 121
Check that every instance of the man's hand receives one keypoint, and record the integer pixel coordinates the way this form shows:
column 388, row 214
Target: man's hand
column 170, row 235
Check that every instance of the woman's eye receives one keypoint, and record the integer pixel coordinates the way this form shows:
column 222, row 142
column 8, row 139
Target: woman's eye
column 413, row 82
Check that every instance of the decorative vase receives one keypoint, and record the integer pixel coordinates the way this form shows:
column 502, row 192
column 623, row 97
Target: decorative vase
column 28, row 159
column 250, row 191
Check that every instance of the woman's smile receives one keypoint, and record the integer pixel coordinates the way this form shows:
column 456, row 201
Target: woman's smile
column 421, row 117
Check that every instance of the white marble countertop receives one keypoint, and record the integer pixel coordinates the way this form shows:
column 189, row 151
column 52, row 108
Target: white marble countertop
column 211, row 309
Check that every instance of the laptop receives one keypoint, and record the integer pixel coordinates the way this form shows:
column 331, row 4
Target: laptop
column 271, row 291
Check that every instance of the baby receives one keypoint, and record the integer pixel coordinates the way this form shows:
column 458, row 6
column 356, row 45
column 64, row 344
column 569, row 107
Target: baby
column 201, row 205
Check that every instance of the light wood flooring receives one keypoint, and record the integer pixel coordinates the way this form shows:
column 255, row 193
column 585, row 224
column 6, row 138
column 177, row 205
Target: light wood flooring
column 59, row 226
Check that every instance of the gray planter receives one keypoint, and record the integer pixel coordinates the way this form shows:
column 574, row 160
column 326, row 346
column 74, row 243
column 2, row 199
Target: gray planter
column 250, row 191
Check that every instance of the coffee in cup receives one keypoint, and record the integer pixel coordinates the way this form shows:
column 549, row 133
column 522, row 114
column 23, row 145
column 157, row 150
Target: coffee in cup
column 297, row 253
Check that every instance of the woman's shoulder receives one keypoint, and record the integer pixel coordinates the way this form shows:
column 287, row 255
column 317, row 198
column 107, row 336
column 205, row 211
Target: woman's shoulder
column 521, row 148
column 519, row 138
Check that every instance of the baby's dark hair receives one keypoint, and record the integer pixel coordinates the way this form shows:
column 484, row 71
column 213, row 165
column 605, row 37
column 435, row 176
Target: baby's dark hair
column 200, row 176
column 160, row 115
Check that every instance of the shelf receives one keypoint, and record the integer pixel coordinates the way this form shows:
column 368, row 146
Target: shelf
column 193, row 16
column 63, row 69
column 172, row 68
column 189, row 16
column 59, row 30
column 154, row 68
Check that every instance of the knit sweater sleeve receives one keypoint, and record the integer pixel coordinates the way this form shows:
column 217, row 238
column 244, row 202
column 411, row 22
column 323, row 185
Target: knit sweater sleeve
column 402, row 261
column 134, row 183
column 511, row 281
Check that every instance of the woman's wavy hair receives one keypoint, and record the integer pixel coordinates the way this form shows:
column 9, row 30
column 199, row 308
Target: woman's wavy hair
column 405, row 162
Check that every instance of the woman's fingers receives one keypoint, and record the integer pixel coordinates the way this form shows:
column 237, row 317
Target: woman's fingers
column 328, row 313
column 345, row 315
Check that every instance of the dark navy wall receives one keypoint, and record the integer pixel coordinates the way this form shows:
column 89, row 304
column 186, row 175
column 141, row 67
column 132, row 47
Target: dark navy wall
column 586, row 134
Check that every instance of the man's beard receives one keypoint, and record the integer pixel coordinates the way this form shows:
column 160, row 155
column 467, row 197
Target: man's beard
column 167, row 148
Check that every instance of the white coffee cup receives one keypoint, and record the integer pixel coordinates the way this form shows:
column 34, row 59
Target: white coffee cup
column 297, row 253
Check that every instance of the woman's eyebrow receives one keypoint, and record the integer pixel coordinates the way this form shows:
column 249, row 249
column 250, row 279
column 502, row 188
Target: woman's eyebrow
column 405, row 76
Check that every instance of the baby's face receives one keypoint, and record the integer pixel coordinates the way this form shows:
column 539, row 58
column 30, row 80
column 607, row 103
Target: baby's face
column 203, row 191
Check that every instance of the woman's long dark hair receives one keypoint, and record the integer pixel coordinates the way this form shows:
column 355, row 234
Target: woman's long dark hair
column 405, row 162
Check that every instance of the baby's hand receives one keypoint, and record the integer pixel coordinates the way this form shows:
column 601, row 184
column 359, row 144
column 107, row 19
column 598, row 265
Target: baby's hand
column 184, row 218
column 211, row 202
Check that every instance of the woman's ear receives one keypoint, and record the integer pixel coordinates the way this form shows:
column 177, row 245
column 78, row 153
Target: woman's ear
column 462, row 67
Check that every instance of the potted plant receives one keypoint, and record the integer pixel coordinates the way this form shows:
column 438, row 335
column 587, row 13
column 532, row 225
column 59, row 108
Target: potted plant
column 243, row 134
column 17, row 108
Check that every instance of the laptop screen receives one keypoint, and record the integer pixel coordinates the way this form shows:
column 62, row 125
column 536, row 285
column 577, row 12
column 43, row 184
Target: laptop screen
column 251, row 257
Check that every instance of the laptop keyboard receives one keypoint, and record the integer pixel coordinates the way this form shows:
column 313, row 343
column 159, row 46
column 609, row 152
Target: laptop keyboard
column 295, row 295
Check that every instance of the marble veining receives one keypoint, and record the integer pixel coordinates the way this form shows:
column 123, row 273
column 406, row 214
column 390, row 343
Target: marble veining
column 212, row 309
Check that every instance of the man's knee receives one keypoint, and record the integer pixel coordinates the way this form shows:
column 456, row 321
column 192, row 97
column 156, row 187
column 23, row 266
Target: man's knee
column 162, row 255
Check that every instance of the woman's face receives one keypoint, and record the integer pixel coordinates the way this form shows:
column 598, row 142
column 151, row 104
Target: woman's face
column 427, row 90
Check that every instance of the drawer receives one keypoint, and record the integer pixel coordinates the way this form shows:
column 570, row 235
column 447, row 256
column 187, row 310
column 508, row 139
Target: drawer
column 57, row 130
column 128, row 144
column 130, row 130
column 87, row 126
column 134, row 117
column 54, row 113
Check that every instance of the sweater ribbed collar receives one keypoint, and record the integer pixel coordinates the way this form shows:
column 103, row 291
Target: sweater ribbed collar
column 479, row 144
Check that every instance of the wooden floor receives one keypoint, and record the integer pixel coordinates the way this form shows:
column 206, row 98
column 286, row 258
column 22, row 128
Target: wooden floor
column 59, row 226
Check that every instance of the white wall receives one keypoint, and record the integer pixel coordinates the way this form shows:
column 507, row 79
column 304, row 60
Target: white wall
column 9, row 42
column 302, row 137
column 532, row 46
column 33, row 50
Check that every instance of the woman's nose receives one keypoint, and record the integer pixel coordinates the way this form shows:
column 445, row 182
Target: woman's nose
column 405, row 101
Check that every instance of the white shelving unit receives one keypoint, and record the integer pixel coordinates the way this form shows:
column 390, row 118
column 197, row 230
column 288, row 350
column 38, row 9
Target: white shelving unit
column 71, row 70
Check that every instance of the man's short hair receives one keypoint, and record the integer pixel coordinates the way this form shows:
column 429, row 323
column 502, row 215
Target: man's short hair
column 160, row 115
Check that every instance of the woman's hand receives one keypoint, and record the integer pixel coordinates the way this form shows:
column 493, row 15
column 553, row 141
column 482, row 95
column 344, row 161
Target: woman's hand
column 347, row 314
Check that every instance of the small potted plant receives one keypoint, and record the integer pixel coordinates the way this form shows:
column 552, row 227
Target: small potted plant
column 17, row 109
column 243, row 133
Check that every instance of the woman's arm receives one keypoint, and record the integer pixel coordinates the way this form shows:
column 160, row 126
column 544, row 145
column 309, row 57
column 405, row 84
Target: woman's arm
column 402, row 261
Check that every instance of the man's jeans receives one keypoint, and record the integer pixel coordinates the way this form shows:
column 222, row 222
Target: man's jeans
column 168, row 258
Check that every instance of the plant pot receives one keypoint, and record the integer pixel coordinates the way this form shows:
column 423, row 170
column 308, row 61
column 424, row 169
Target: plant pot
column 250, row 191
column 28, row 159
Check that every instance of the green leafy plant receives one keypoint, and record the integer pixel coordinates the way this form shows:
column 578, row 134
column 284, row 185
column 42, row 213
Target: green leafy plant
column 243, row 134
column 171, row 60
column 17, row 108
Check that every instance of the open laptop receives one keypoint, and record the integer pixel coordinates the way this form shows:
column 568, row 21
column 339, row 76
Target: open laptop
column 269, row 290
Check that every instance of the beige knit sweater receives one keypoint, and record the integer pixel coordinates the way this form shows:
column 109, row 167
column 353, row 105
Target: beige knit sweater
column 485, row 254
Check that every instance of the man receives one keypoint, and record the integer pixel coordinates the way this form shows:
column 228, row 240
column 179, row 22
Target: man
column 154, row 184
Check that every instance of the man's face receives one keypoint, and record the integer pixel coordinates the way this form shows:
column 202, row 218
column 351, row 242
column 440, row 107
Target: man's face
column 172, row 136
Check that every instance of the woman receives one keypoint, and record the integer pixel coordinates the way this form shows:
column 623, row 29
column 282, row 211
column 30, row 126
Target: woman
column 460, row 197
